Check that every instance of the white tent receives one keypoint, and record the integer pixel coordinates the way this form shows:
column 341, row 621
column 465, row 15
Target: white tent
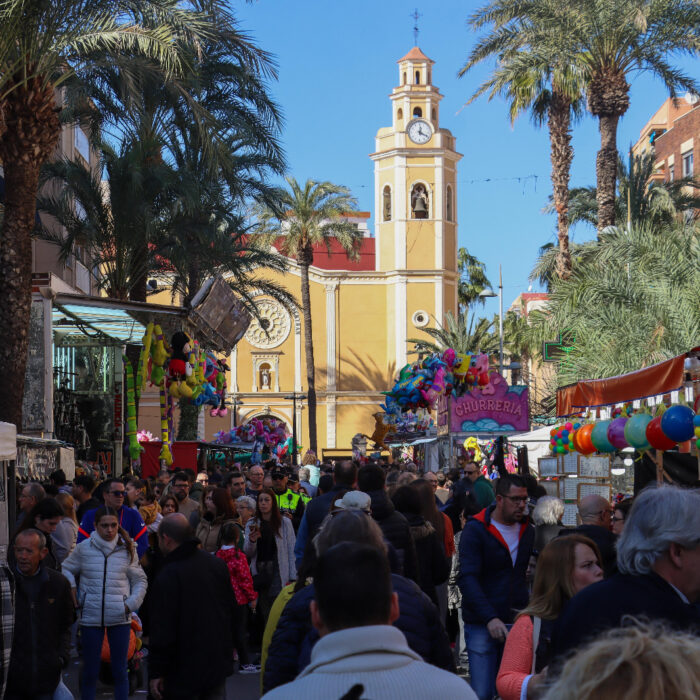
column 8, row 442
column 538, row 445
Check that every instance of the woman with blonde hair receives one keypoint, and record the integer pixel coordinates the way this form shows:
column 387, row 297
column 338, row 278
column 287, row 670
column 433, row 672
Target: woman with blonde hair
column 635, row 662
column 66, row 533
column 565, row 566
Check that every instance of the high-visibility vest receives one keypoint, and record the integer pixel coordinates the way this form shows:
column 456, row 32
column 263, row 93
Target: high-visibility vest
column 288, row 501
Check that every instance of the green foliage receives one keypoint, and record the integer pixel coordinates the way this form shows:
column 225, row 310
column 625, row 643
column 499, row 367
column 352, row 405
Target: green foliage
column 312, row 214
column 631, row 301
column 472, row 279
column 653, row 201
column 460, row 333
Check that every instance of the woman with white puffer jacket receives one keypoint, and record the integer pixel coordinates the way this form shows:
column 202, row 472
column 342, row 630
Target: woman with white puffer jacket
column 110, row 586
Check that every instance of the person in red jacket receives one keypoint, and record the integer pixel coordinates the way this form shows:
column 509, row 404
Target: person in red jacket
column 242, row 584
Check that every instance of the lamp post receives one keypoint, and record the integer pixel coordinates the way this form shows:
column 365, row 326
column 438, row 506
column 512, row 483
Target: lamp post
column 234, row 405
column 486, row 294
column 293, row 398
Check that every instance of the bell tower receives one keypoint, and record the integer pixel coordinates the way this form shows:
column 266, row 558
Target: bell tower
column 415, row 178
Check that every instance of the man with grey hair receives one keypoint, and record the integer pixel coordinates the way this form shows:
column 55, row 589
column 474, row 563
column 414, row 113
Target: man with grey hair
column 304, row 480
column 595, row 514
column 29, row 496
column 658, row 557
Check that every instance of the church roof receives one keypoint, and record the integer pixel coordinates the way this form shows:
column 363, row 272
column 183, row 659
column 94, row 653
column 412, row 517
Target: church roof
column 415, row 54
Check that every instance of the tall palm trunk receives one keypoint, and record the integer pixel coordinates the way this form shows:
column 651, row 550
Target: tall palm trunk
column 305, row 259
column 608, row 99
column 561, row 155
column 31, row 135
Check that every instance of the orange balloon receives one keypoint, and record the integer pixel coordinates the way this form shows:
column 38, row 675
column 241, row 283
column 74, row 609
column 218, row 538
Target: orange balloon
column 582, row 439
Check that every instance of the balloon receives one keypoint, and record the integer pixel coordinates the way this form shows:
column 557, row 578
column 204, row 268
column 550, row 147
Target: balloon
column 577, row 426
column 616, row 433
column 696, row 421
column 565, row 433
column 636, row 431
column 599, row 437
column 568, row 426
column 656, row 436
column 677, row 423
column 697, row 432
column 582, row 439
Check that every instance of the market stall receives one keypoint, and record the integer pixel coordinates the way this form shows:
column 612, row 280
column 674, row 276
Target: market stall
column 613, row 430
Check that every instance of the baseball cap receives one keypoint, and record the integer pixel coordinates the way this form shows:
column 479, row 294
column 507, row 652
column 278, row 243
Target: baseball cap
column 354, row 500
column 277, row 474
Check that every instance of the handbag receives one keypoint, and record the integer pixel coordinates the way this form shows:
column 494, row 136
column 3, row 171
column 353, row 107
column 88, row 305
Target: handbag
column 262, row 579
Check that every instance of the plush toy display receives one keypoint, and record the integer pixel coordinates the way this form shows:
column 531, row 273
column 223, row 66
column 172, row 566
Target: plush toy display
column 135, row 449
column 179, row 367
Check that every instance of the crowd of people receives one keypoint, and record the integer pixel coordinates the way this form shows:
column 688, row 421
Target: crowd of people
column 365, row 581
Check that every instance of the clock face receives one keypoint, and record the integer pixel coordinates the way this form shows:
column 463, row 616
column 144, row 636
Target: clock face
column 419, row 131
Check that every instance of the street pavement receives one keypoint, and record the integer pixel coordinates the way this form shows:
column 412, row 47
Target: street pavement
column 238, row 687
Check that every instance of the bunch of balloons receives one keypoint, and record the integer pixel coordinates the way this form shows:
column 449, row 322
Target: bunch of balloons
column 562, row 438
column 642, row 431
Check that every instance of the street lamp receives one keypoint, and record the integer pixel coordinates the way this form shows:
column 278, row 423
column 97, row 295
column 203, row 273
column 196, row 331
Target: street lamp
column 293, row 398
column 234, row 405
column 487, row 294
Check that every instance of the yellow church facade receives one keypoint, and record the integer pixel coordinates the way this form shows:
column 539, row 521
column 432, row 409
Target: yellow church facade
column 363, row 314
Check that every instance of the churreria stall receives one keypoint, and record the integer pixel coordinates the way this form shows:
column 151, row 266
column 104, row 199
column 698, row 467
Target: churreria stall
column 485, row 412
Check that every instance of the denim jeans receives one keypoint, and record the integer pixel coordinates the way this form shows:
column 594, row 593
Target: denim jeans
column 484, row 656
column 118, row 638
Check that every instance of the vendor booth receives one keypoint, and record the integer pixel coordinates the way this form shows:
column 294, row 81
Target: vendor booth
column 488, row 412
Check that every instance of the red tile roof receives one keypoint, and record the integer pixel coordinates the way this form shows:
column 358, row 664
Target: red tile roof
column 338, row 260
column 415, row 54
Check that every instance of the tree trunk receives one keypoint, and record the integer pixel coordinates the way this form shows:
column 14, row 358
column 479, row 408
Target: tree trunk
column 30, row 138
column 608, row 99
column 606, row 171
column 561, row 155
column 305, row 260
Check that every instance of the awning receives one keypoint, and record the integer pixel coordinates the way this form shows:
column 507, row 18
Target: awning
column 656, row 380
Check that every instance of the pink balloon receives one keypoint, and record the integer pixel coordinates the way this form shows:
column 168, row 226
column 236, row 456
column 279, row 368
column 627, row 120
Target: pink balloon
column 616, row 433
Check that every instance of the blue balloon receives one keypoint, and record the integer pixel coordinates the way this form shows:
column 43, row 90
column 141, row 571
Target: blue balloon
column 599, row 437
column 564, row 434
column 636, row 431
column 677, row 423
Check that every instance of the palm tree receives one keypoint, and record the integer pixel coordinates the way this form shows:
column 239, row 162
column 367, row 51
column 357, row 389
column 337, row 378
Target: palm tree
column 44, row 45
column 462, row 334
column 606, row 41
column 632, row 302
column 531, row 76
column 310, row 215
column 472, row 279
column 108, row 218
column 649, row 200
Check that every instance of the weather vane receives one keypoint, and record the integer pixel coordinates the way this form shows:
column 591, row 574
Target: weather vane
column 416, row 15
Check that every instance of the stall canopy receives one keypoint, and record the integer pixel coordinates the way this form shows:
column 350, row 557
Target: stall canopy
column 538, row 443
column 656, row 380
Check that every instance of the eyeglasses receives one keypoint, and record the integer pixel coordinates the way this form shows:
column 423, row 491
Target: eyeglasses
column 617, row 520
column 120, row 494
column 517, row 499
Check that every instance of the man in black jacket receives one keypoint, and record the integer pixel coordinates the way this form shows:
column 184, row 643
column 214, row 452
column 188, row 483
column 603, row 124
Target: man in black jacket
column 395, row 528
column 190, row 656
column 658, row 557
column 44, row 614
column 344, row 479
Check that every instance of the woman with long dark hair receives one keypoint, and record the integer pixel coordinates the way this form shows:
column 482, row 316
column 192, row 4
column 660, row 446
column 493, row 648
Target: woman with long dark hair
column 45, row 517
column 217, row 508
column 433, row 565
column 269, row 545
column 111, row 586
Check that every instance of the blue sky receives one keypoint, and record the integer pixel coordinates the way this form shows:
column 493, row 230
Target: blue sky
column 337, row 66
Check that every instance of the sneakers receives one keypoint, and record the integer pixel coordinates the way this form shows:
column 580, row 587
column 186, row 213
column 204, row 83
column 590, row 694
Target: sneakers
column 249, row 668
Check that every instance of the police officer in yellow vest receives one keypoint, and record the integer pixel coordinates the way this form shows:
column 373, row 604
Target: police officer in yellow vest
column 289, row 502
column 293, row 484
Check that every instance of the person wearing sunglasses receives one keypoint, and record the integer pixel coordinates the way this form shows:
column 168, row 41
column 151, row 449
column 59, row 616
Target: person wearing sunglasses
column 114, row 494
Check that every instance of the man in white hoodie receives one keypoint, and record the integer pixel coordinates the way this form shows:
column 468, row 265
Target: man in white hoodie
column 360, row 654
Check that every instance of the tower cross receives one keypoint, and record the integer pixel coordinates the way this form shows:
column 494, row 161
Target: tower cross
column 416, row 16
